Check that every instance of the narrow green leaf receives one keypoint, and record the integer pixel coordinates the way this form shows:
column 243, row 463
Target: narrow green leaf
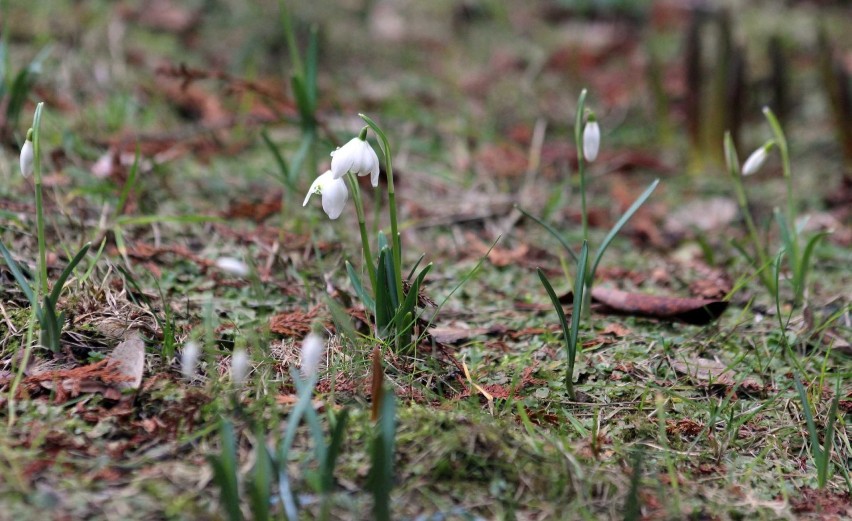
column 225, row 472
column 619, row 225
column 261, row 478
column 338, row 432
column 805, row 263
column 283, row 171
column 577, row 310
column 60, row 282
column 311, row 66
column 550, row 229
column 22, row 281
column 365, row 297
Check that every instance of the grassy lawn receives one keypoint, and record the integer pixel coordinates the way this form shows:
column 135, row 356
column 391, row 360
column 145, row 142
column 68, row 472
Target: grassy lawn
column 175, row 140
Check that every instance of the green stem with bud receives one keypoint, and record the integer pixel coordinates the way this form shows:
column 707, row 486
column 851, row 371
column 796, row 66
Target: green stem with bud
column 42, row 249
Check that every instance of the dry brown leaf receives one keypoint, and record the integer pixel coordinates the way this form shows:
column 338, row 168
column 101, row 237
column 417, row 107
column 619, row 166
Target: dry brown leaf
column 696, row 311
column 129, row 356
column 713, row 373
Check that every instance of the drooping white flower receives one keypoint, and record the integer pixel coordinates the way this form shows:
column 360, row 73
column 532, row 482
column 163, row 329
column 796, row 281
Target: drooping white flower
column 312, row 349
column 27, row 156
column 757, row 158
column 232, row 266
column 239, row 366
column 333, row 191
column 358, row 157
column 591, row 140
column 189, row 359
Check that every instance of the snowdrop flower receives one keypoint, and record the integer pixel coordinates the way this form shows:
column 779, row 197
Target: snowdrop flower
column 591, row 139
column 333, row 191
column 232, row 266
column 239, row 366
column 189, row 359
column 357, row 157
column 757, row 158
column 27, row 155
column 312, row 349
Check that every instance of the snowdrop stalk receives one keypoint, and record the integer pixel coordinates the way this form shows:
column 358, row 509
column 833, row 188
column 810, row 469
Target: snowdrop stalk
column 42, row 250
column 395, row 238
column 783, row 149
column 733, row 163
column 352, row 181
column 581, row 167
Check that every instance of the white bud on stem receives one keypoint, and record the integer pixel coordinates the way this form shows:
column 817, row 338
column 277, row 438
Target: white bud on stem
column 239, row 366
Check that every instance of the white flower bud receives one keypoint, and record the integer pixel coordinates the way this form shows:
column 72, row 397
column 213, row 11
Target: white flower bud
column 232, row 266
column 189, row 359
column 27, row 157
column 239, row 366
column 757, row 158
column 591, row 140
column 312, row 350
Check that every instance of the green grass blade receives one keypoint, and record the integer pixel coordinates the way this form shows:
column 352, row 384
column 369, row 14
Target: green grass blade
column 128, row 220
column 311, row 66
column 22, row 281
column 619, row 225
column 338, row 433
column 805, row 262
column 261, row 479
column 809, row 418
column 550, row 229
column 365, row 297
column 225, row 472
column 60, row 282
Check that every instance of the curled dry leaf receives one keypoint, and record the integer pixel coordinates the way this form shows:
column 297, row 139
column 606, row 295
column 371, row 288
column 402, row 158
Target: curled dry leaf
column 716, row 374
column 697, row 311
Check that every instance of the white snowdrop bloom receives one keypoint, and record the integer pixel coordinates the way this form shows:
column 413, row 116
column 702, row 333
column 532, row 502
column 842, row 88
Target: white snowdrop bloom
column 358, row 157
column 239, row 366
column 591, row 140
column 757, row 158
column 27, row 157
column 313, row 348
column 189, row 359
column 333, row 191
column 232, row 266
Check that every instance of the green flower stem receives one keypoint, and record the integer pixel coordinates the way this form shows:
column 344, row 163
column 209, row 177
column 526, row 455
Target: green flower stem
column 581, row 167
column 397, row 242
column 781, row 140
column 734, row 171
column 42, row 250
column 362, row 225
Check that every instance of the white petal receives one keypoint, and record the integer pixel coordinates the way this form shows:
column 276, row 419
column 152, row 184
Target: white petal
column 344, row 158
column 239, row 366
column 27, row 158
column 316, row 187
column 232, row 266
column 755, row 161
column 591, row 140
column 312, row 351
column 334, row 197
column 189, row 359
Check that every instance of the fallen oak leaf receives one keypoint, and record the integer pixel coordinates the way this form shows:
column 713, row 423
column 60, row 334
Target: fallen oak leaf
column 129, row 357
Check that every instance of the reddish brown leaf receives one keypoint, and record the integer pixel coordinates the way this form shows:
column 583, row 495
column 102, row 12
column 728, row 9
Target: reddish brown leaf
column 690, row 310
column 293, row 323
